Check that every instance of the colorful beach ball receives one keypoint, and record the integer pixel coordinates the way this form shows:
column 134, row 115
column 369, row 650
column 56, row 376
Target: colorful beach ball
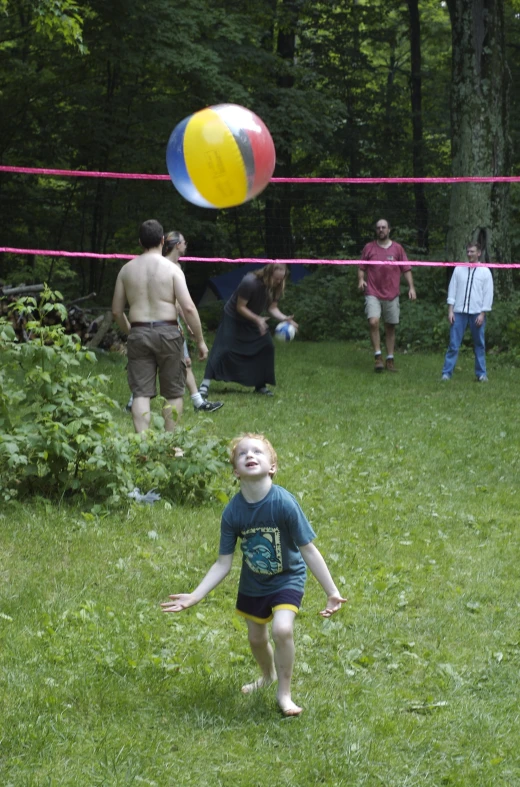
column 221, row 156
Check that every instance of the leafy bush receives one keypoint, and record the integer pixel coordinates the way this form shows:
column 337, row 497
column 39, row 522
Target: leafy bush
column 327, row 305
column 211, row 315
column 184, row 467
column 57, row 431
column 503, row 326
column 423, row 325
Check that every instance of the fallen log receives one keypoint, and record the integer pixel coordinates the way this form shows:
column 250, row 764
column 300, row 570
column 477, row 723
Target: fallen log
column 6, row 290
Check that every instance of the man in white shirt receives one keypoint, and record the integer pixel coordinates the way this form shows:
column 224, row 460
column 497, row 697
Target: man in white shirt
column 470, row 297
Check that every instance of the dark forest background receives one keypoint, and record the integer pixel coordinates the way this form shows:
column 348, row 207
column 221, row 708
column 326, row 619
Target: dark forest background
column 355, row 88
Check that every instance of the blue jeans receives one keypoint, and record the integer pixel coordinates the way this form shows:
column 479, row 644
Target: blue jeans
column 457, row 331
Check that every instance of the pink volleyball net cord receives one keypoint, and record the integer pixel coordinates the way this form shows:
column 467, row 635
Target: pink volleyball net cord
column 242, row 260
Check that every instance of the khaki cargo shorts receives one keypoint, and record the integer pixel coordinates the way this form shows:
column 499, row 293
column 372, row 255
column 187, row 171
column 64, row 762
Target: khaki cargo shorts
column 151, row 350
column 374, row 307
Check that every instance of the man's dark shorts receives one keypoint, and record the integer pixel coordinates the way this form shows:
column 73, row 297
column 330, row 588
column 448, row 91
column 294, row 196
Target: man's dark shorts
column 151, row 349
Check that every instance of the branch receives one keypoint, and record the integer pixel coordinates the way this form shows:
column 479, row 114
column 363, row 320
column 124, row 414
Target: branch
column 83, row 298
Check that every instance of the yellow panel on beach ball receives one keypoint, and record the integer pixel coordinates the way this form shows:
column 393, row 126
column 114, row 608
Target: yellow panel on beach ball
column 214, row 161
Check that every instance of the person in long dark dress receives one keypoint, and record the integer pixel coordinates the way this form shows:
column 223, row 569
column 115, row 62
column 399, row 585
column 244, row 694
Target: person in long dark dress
column 243, row 350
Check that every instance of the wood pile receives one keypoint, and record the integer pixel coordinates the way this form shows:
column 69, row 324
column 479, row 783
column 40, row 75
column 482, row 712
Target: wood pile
column 95, row 331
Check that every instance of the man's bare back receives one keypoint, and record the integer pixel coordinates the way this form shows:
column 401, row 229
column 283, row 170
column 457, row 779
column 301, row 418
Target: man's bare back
column 152, row 286
column 149, row 282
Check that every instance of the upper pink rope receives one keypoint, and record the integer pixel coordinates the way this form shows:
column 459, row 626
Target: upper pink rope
column 241, row 260
column 80, row 173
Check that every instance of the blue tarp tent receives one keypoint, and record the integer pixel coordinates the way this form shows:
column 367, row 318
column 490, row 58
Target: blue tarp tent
column 223, row 286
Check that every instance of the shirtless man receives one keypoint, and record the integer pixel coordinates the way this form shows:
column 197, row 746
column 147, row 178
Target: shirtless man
column 151, row 285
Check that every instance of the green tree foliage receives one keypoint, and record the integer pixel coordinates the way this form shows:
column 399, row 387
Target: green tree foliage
column 61, row 19
column 332, row 80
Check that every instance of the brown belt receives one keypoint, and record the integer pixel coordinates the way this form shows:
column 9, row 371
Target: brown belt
column 153, row 324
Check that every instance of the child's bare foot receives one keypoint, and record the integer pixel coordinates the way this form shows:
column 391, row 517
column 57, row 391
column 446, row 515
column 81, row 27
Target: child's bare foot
column 260, row 683
column 288, row 707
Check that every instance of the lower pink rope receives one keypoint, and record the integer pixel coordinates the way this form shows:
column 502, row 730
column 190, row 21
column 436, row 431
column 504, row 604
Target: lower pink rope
column 242, row 260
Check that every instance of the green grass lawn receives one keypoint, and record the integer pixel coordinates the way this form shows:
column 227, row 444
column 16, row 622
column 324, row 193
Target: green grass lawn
column 411, row 486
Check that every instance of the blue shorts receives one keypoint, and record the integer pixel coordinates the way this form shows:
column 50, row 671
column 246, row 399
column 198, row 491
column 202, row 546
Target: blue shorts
column 260, row 609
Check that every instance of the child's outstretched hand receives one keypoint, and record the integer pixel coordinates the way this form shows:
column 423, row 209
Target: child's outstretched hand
column 333, row 604
column 178, row 602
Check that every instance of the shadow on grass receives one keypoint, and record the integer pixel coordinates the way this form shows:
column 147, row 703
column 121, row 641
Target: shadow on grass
column 217, row 702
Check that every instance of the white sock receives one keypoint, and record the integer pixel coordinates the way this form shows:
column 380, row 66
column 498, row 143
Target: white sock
column 197, row 399
column 389, row 357
column 378, row 353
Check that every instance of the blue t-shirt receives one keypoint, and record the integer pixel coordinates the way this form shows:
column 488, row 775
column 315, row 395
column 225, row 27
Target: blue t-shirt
column 271, row 532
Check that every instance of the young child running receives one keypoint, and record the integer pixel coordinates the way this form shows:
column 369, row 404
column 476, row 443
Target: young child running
column 276, row 542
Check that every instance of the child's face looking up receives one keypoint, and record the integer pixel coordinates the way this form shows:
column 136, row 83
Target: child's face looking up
column 253, row 459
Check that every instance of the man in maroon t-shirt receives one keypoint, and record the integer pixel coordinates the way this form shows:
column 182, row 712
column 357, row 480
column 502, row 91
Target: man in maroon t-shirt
column 381, row 288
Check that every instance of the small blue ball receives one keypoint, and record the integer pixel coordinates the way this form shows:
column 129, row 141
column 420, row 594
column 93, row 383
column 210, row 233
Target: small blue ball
column 285, row 332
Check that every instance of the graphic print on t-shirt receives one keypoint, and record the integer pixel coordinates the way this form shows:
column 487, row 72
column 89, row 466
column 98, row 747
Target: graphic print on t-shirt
column 262, row 550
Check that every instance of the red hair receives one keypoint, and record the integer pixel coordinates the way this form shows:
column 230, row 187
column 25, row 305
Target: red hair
column 251, row 436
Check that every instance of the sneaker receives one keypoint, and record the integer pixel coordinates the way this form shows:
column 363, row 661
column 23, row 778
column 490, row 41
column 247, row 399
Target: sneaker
column 389, row 365
column 482, row 379
column 203, row 390
column 445, row 377
column 208, row 407
column 264, row 391
column 378, row 364
column 128, row 407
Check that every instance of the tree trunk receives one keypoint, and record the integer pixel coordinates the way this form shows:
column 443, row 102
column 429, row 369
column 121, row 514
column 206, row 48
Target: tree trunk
column 421, row 206
column 353, row 135
column 480, row 138
column 278, row 229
